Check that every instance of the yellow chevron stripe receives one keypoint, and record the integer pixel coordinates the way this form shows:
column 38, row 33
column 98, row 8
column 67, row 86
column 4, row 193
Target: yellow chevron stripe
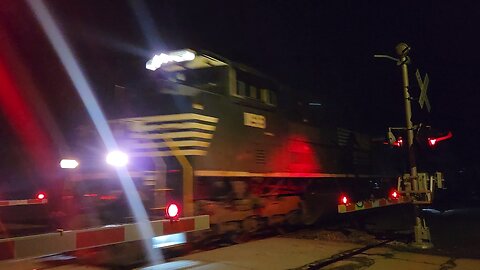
column 173, row 117
column 192, row 125
column 173, row 135
column 192, row 152
column 171, row 144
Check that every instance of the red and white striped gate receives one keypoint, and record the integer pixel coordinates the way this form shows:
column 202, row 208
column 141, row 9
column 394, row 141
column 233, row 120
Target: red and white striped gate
column 65, row 241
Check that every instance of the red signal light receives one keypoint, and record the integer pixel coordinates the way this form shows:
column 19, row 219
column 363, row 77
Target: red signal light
column 344, row 199
column 172, row 211
column 41, row 195
column 433, row 141
column 394, row 194
column 398, row 142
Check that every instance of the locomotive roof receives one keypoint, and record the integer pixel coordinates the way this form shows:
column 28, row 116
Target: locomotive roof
column 204, row 59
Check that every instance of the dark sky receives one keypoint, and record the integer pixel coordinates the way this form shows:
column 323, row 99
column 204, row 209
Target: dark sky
column 323, row 49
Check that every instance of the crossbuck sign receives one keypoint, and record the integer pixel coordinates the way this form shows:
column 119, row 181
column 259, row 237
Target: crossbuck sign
column 423, row 84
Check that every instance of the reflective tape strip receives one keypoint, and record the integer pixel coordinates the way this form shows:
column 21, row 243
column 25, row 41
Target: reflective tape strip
column 177, row 226
column 7, row 249
column 23, row 202
column 365, row 205
column 100, row 237
column 65, row 241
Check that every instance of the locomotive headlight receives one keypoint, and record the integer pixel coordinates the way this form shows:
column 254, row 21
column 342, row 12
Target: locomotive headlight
column 68, row 164
column 117, row 158
column 164, row 58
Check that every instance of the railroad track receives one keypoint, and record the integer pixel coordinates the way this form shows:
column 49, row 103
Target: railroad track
column 342, row 256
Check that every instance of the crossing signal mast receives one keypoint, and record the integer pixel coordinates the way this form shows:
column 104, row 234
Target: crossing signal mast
column 418, row 187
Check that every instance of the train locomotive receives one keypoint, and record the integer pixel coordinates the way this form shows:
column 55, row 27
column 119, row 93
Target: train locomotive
column 215, row 137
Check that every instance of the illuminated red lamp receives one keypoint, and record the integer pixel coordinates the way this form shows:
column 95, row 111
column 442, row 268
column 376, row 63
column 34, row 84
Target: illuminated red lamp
column 41, row 195
column 398, row 142
column 433, row 141
column 344, row 199
column 394, row 195
column 172, row 211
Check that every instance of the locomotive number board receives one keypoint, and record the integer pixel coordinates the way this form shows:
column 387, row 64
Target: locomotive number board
column 254, row 120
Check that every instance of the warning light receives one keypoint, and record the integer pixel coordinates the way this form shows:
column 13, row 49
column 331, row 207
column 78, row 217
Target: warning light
column 394, row 194
column 433, row 141
column 398, row 142
column 344, row 199
column 41, row 196
column 172, row 211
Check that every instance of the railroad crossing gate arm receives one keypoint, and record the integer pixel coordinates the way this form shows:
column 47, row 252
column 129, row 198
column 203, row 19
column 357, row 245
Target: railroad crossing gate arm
column 370, row 204
column 65, row 241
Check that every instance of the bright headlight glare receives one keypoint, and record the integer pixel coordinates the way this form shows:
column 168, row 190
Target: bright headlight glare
column 68, row 164
column 117, row 158
column 164, row 58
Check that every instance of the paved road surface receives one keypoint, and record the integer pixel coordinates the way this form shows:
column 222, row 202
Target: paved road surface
column 287, row 253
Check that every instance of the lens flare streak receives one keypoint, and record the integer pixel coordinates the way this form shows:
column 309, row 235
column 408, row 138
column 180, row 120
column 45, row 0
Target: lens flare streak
column 73, row 69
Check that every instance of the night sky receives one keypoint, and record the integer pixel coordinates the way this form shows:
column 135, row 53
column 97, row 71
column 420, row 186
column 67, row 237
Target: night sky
column 323, row 49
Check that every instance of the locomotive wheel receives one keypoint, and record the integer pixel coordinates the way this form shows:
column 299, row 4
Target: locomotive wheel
column 294, row 218
column 309, row 214
column 251, row 224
